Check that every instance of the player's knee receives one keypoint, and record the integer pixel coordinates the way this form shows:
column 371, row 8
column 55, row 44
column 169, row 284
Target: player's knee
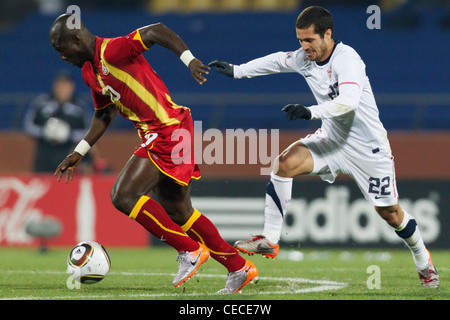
column 286, row 166
column 121, row 201
column 282, row 164
column 116, row 200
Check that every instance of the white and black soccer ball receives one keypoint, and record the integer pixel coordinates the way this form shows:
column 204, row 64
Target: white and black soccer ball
column 88, row 262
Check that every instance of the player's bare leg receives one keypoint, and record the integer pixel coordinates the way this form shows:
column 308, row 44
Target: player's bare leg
column 293, row 161
column 406, row 228
column 129, row 195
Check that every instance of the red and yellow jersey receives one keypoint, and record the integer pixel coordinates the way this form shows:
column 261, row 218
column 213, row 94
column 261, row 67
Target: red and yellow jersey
column 121, row 75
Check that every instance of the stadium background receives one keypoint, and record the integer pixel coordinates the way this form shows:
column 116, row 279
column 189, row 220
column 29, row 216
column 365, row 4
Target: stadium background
column 406, row 63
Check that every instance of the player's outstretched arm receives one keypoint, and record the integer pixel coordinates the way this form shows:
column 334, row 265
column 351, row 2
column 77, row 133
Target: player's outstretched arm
column 160, row 34
column 100, row 122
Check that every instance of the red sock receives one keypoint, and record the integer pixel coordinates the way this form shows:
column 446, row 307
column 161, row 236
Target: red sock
column 155, row 219
column 201, row 229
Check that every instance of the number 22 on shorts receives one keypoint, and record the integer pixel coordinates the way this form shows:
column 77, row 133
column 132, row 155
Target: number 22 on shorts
column 380, row 186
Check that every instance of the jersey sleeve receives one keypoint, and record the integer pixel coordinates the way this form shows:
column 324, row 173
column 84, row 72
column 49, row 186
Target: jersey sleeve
column 100, row 101
column 123, row 49
column 273, row 63
column 351, row 75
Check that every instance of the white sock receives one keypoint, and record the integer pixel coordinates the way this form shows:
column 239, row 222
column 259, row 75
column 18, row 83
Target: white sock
column 278, row 197
column 410, row 234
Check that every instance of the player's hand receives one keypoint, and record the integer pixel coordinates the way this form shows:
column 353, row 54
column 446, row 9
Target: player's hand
column 223, row 67
column 68, row 166
column 197, row 70
column 297, row 111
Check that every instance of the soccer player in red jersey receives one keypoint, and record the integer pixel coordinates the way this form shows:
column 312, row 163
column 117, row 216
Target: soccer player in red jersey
column 121, row 80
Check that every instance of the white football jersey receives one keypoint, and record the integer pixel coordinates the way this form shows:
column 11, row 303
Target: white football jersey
column 345, row 101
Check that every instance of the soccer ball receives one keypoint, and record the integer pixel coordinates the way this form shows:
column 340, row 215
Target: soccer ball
column 88, row 262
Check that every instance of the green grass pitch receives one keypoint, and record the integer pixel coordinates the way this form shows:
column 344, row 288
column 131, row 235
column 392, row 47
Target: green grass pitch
column 147, row 273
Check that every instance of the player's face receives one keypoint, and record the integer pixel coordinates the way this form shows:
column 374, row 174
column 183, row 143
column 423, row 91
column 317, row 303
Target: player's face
column 69, row 52
column 316, row 48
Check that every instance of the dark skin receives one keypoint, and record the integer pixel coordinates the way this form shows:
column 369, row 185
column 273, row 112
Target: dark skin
column 139, row 176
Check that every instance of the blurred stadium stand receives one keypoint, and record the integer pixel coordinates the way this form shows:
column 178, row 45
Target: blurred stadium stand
column 405, row 61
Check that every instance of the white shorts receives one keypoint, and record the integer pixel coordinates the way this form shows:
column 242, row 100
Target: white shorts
column 373, row 170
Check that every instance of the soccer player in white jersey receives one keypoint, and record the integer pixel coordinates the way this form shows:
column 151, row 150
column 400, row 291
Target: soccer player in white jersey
column 351, row 140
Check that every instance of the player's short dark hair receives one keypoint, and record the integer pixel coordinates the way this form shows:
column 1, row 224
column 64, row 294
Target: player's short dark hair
column 317, row 16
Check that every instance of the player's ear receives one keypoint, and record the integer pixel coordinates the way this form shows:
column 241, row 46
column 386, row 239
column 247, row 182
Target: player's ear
column 328, row 34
